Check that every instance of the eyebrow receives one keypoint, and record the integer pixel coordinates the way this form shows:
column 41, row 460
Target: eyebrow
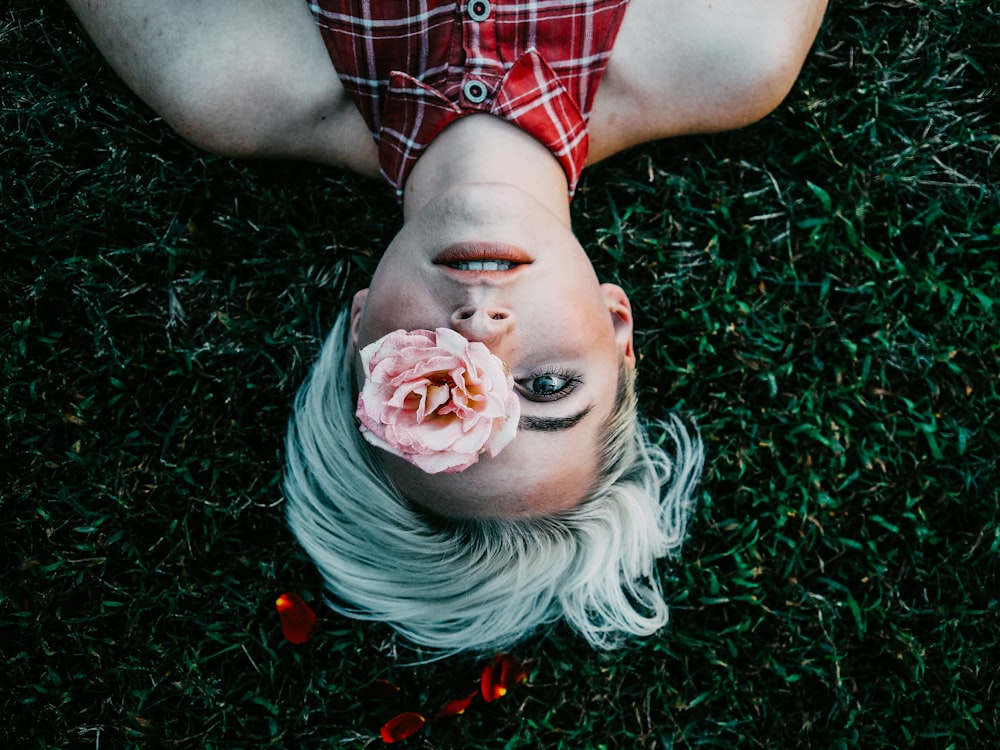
column 552, row 424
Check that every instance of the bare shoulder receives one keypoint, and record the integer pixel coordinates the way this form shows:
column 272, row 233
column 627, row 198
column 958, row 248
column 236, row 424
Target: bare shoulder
column 236, row 77
column 694, row 66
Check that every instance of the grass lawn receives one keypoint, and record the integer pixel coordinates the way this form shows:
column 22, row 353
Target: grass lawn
column 821, row 291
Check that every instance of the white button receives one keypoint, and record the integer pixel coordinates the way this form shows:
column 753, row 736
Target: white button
column 479, row 10
column 475, row 91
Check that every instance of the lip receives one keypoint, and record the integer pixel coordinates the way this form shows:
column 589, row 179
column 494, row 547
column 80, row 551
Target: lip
column 464, row 252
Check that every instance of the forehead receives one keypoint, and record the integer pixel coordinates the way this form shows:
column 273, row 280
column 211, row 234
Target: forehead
column 539, row 473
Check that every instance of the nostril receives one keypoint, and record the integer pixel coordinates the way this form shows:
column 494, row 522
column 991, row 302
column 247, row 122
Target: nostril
column 498, row 316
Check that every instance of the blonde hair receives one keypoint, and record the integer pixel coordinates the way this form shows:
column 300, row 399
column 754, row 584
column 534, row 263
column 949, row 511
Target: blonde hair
column 468, row 585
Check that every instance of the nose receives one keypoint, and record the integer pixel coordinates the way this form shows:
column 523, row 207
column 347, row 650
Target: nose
column 486, row 323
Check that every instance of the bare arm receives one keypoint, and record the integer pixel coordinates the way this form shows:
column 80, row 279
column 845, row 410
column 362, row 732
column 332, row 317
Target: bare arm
column 236, row 77
column 696, row 66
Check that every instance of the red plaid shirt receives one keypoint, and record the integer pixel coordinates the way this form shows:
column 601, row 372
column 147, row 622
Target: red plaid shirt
column 412, row 67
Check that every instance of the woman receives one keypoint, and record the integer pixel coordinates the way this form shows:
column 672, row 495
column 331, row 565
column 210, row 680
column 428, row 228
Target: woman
column 480, row 116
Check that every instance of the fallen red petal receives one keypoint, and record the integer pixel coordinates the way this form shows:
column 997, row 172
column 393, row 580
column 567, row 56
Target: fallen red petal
column 402, row 726
column 488, row 684
column 456, row 707
column 500, row 676
column 298, row 621
column 511, row 671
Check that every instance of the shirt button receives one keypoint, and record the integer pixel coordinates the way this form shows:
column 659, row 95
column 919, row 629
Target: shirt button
column 475, row 91
column 479, row 10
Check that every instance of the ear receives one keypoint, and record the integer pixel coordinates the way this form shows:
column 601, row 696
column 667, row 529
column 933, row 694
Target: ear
column 621, row 315
column 357, row 306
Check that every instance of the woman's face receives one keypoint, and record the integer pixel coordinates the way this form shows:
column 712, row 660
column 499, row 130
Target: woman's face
column 561, row 333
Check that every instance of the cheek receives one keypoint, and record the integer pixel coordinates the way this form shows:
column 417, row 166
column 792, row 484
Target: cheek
column 393, row 306
column 581, row 320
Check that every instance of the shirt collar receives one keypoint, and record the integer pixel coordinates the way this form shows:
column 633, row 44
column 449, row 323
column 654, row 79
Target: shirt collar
column 529, row 96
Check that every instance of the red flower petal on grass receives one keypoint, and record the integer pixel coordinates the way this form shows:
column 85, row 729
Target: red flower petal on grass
column 298, row 621
column 402, row 726
column 456, row 707
column 501, row 676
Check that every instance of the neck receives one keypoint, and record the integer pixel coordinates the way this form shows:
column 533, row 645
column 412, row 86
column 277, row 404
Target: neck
column 485, row 149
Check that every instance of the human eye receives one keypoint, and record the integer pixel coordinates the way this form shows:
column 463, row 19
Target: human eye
column 548, row 386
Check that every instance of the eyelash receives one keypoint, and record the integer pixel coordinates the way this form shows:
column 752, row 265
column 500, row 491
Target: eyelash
column 572, row 381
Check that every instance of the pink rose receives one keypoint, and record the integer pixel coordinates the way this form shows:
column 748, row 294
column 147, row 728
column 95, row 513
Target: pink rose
column 436, row 399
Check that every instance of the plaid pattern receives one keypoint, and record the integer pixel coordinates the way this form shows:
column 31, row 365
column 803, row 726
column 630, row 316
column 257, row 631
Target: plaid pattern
column 408, row 66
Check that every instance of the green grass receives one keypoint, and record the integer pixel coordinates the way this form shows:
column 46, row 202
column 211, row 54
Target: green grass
column 820, row 290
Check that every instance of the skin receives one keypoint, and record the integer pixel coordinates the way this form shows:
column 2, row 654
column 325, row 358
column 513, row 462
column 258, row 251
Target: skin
column 522, row 316
column 228, row 76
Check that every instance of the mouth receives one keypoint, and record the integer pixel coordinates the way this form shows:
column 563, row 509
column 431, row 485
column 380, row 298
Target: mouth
column 483, row 257
column 482, row 265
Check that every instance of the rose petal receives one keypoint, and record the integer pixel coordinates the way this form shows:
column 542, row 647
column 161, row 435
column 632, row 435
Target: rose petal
column 500, row 676
column 507, row 431
column 402, row 726
column 298, row 621
column 394, row 342
column 456, row 707
column 436, row 399
column 452, row 341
